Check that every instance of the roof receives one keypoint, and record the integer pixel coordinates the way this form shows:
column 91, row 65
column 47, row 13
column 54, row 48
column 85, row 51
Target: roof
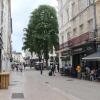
column 94, row 57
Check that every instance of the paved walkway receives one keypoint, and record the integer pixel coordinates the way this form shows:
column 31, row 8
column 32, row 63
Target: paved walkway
column 30, row 85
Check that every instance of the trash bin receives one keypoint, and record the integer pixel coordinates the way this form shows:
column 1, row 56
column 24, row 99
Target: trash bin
column 4, row 80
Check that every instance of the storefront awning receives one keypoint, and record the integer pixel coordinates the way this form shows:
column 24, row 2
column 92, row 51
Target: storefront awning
column 93, row 57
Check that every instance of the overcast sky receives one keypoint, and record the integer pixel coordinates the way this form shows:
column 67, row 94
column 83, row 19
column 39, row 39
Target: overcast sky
column 21, row 10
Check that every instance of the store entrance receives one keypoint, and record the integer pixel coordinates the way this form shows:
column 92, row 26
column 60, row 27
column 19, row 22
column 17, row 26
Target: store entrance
column 77, row 58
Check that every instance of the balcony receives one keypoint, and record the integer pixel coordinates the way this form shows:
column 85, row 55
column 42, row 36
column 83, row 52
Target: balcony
column 77, row 40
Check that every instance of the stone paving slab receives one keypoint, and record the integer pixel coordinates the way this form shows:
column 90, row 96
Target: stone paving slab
column 43, row 87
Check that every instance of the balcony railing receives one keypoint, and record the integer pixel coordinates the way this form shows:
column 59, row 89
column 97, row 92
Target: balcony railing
column 77, row 40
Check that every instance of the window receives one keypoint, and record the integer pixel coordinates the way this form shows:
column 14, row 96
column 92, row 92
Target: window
column 73, row 9
column 79, row 4
column 2, row 8
column 67, row 14
column 74, row 23
column 62, row 39
column 91, row 2
column 61, row 4
column 68, row 35
column 81, row 28
column 90, row 25
column 61, row 19
column 82, row 4
column 74, row 31
column 81, row 19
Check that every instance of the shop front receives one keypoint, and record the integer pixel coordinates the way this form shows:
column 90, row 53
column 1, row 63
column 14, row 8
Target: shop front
column 93, row 60
column 66, row 57
column 81, row 51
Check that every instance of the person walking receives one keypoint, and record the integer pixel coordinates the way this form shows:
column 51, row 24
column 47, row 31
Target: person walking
column 41, row 68
column 53, row 69
column 17, row 67
column 24, row 66
column 21, row 67
column 12, row 67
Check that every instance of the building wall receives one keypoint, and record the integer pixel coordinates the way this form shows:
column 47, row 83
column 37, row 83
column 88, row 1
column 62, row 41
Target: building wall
column 79, row 16
column 76, row 23
column 98, row 17
column 28, row 56
column 17, row 57
column 6, row 35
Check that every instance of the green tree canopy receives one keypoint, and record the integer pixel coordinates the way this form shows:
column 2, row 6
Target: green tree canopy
column 41, row 35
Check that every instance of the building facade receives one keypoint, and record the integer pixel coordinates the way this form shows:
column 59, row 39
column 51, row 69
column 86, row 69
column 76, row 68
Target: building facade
column 79, row 29
column 1, row 23
column 6, row 31
column 30, row 57
column 17, row 57
column 34, row 57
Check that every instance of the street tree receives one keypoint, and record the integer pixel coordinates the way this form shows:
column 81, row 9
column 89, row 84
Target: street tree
column 42, row 32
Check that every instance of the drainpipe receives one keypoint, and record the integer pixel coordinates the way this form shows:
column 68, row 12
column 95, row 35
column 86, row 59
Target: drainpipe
column 95, row 25
column 95, row 20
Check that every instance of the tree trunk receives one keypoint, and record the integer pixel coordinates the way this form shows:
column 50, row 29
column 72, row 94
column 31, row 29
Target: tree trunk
column 46, row 63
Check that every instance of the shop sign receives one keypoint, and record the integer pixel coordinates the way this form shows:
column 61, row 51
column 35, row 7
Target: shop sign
column 85, row 48
column 76, row 51
column 66, row 53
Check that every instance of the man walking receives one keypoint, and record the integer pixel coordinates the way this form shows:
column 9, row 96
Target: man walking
column 53, row 69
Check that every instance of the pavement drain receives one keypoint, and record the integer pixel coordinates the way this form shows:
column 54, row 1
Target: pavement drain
column 47, row 82
column 69, row 80
column 17, row 96
column 12, row 84
column 15, row 81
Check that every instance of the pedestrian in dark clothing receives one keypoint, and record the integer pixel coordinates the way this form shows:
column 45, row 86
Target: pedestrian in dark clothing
column 53, row 69
column 41, row 68
column 16, row 67
column 12, row 67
